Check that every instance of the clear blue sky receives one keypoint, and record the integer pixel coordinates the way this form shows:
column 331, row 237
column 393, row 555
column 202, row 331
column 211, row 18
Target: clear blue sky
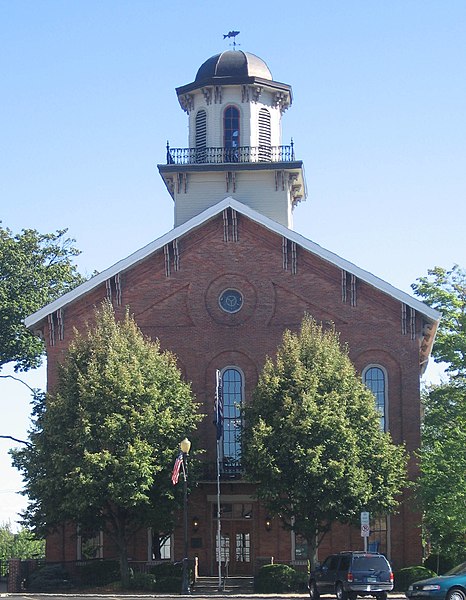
column 88, row 102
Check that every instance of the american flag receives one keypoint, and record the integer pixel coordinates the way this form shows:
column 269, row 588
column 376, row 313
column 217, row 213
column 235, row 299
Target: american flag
column 218, row 416
column 176, row 468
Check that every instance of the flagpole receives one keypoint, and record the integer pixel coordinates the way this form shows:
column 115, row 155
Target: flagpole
column 219, row 427
column 219, row 524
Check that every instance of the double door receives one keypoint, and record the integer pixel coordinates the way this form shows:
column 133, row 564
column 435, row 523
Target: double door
column 236, row 548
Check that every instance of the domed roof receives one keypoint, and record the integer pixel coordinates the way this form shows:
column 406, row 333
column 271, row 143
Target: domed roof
column 233, row 65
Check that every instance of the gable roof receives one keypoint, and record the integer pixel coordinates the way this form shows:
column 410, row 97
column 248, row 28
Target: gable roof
column 429, row 313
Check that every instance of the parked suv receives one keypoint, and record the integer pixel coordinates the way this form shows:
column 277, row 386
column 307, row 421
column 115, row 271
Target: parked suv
column 352, row 574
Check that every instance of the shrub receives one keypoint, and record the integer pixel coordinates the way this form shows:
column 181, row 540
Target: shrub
column 97, row 572
column 168, row 585
column 167, row 569
column 142, row 581
column 275, row 579
column 168, row 576
column 404, row 577
column 300, row 581
column 445, row 563
column 164, row 577
column 52, row 577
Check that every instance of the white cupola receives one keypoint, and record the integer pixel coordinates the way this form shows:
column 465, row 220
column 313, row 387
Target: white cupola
column 235, row 143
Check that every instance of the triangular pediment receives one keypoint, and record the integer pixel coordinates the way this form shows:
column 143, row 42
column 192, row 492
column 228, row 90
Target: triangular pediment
column 120, row 267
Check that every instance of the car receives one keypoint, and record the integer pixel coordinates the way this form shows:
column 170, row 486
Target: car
column 352, row 574
column 451, row 586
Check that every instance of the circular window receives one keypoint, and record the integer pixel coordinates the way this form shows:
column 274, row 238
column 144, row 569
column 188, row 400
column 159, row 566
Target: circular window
column 231, row 301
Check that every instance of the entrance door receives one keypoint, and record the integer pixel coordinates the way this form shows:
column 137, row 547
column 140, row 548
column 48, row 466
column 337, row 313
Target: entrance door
column 236, row 547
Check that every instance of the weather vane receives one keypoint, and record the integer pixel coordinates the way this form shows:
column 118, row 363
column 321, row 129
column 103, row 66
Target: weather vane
column 232, row 34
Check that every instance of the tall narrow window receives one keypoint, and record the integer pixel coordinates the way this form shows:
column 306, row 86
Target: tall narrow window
column 375, row 380
column 90, row 544
column 232, row 399
column 160, row 545
column 201, row 136
column 231, row 138
column 265, row 135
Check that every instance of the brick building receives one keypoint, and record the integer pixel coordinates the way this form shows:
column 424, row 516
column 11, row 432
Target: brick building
column 219, row 290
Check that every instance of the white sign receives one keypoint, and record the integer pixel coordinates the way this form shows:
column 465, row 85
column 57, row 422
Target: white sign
column 365, row 526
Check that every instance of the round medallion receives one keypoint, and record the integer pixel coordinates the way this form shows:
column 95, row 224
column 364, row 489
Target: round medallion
column 230, row 301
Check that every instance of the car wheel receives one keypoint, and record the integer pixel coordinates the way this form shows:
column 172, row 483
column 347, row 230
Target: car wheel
column 341, row 594
column 382, row 596
column 313, row 591
column 456, row 594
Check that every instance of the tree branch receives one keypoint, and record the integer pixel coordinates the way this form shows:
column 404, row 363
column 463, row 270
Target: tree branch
column 9, row 437
column 32, row 390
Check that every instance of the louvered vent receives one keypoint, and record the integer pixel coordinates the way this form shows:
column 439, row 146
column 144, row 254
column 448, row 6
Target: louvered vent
column 265, row 135
column 201, row 135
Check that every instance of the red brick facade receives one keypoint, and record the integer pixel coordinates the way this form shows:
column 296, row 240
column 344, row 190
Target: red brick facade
column 180, row 307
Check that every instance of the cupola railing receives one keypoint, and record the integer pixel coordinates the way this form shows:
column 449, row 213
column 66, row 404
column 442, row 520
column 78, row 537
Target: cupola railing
column 240, row 154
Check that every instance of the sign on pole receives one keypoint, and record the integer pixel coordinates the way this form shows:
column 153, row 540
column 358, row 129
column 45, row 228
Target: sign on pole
column 365, row 528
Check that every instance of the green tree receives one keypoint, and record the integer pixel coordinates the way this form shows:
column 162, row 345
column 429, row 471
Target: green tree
column 103, row 444
column 312, row 438
column 35, row 269
column 445, row 290
column 442, row 483
column 22, row 544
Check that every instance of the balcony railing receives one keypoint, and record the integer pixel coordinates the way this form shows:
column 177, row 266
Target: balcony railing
column 208, row 471
column 241, row 154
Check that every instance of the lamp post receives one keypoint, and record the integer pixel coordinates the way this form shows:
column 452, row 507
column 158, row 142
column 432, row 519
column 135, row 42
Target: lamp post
column 185, row 447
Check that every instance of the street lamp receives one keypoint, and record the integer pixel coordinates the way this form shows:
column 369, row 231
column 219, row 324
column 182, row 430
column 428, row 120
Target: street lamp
column 185, row 447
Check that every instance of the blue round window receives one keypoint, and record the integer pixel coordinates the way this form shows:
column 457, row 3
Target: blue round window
column 231, row 301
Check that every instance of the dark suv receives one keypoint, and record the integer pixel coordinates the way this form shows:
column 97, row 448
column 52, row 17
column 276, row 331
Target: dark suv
column 351, row 574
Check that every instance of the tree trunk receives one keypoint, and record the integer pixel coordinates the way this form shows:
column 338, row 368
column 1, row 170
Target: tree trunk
column 124, row 565
column 312, row 550
column 122, row 551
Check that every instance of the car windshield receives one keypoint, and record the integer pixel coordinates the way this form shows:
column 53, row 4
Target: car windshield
column 369, row 563
column 458, row 570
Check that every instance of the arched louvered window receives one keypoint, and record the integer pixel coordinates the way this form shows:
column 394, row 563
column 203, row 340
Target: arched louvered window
column 375, row 379
column 231, row 137
column 232, row 385
column 201, row 136
column 265, row 135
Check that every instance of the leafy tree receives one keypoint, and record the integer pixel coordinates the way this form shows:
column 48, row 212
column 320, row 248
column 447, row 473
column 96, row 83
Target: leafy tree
column 22, row 544
column 442, row 485
column 35, row 269
column 443, row 467
column 445, row 290
column 312, row 438
column 103, row 444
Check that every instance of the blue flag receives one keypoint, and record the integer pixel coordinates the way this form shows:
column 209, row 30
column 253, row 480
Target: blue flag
column 218, row 407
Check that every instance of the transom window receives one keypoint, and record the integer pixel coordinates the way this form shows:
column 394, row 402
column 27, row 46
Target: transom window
column 375, row 380
column 232, row 381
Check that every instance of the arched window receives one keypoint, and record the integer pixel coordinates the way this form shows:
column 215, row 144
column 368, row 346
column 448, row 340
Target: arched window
column 201, row 135
column 375, row 379
column 232, row 382
column 231, row 138
column 265, row 135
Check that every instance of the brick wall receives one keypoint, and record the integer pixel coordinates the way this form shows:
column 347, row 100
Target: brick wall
column 182, row 311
